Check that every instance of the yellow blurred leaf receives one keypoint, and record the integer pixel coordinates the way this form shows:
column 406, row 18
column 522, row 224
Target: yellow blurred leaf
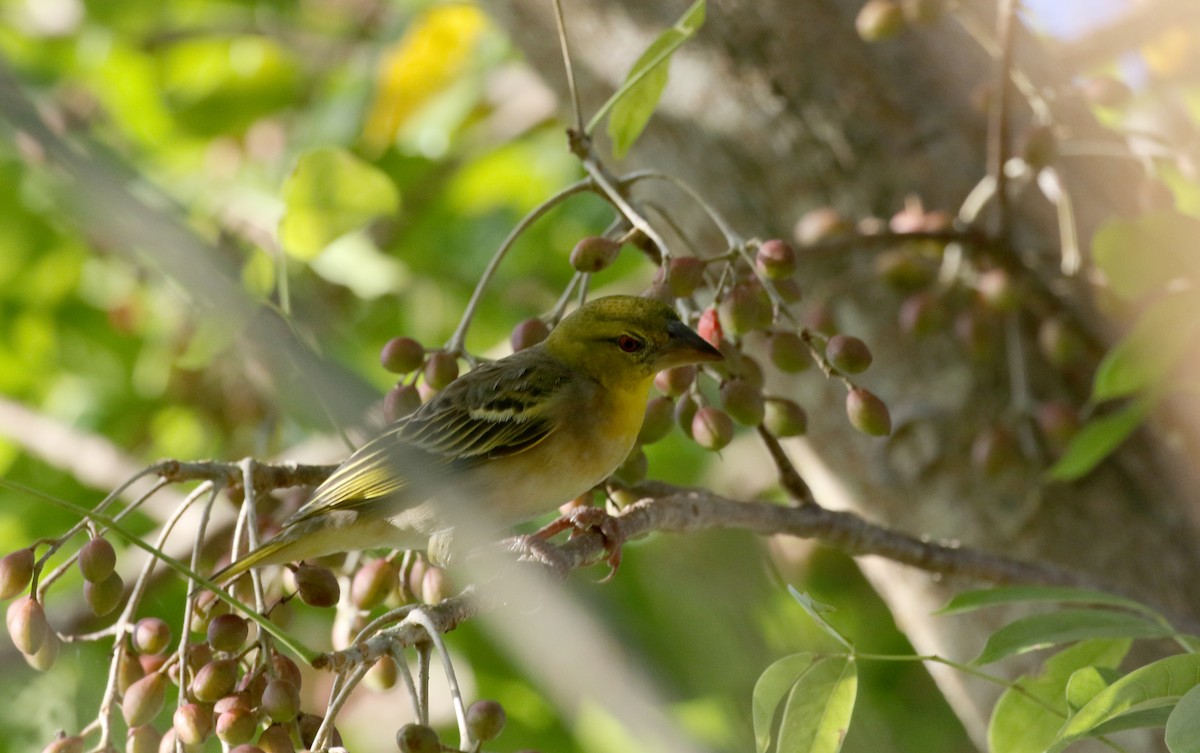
column 1170, row 52
column 427, row 60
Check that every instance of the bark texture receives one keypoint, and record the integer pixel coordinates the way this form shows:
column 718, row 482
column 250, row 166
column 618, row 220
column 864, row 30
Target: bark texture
column 778, row 107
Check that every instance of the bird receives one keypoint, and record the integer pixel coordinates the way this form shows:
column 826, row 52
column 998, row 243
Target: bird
column 506, row 442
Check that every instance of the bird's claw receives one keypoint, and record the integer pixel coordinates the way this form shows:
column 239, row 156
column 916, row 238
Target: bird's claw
column 589, row 518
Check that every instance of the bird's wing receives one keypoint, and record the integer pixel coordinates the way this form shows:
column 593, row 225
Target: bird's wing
column 493, row 411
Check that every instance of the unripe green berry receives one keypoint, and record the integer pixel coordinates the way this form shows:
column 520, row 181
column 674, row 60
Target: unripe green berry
column 440, row 370
column 27, row 625
column 712, row 428
column 43, row 659
column 879, row 20
column 65, row 744
column 634, row 467
column 746, row 308
column 594, row 253
column 285, row 669
column 97, row 560
column 686, row 275
column 529, row 333
column 400, row 355
column 317, row 586
column 129, row 671
column 104, row 596
column 903, row 270
column 868, row 413
column 400, row 401
column 228, row 632
column 775, row 260
column 788, row 290
column 383, row 674
column 675, row 381
column 417, row 738
column 193, row 723
column 276, row 739
column 485, row 720
column 15, row 571
column 143, row 739
column 281, row 701
column 248, row 748
column 784, row 418
column 144, row 699
column 656, row 424
column 308, row 724
column 151, row 636
column 743, row 402
column 236, row 726
column 215, row 680
column 373, row 583
column 788, row 353
column 435, row 585
column 685, row 412
column 848, row 354
column 238, row 700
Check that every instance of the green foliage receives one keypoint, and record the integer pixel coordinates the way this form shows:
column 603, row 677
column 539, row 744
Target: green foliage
column 630, row 107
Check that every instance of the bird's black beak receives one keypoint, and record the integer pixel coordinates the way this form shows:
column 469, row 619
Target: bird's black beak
column 685, row 346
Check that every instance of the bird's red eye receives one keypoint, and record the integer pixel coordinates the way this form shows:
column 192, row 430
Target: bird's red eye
column 629, row 343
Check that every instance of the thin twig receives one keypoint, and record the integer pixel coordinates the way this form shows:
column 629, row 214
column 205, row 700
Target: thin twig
column 576, row 108
column 419, row 616
column 789, row 478
column 998, row 121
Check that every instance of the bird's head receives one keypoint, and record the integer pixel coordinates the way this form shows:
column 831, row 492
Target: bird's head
column 624, row 338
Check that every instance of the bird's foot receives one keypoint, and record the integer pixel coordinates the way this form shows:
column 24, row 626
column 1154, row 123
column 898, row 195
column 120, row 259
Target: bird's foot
column 588, row 518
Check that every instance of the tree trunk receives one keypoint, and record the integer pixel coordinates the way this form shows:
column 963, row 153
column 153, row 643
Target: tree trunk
column 778, row 107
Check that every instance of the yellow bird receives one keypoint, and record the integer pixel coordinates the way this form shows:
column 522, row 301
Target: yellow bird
column 506, row 442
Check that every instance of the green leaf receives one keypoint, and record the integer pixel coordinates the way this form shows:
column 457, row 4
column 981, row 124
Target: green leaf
column 1142, row 255
column 1152, row 685
column 969, row 601
column 634, row 102
column 816, row 610
column 1086, row 684
column 1183, row 725
column 1027, row 717
column 773, row 684
column 1066, row 625
column 1155, row 715
column 1142, row 359
column 1097, row 440
column 818, row 709
column 330, row 193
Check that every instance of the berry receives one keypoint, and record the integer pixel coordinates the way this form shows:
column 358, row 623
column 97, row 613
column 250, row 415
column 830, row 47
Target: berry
column 709, row 327
column 594, row 253
column 784, row 418
column 383, row 674
column 788, row 352
column 788, row 290
column 879, row 20
column 633, row 469
column 435, row 585
column 675, row 381
column 998, row 290
column 215, row 680
column 775, row 260
column 15, row 571
column 97, row 560
column 746, row 308
column 818, row 224
column 286, row 669
column 317, row 586
column 276, row 739
column 685, row 412
column 143, row 739
column 868, row 413
column 919, row 11
column 236, row 726
column 129, row 671
column 400, row 355
column 485, row 720
column 903, row 270
column 193, row 723
column 281, row 701
column 417, row 738
column 712, row 428
column 400, row 401
column 657, row 422
column 44, row 658
column 228, row 632
column 529, row 333
column 743, row 402
column 373, row 583
column 151, row 636
column 686, row 276
column 847, row 354
column 27, row 625
column 144, row 699
column 105, row 596
column 440, row 370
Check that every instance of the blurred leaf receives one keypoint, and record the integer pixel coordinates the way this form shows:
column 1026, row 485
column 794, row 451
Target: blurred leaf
column 1152, row 685
column 1141, row 255
column 819, row 707
column 773, row 684
column 330, row 193
column 1064, row 626
column 1183, row 725
column 815, row 610
column 1098, row 438
column 1085, row 684
column 1153, row 716
column 634, row 102
column 969, row 601
column 1142, row 359
column 1024, row 719
column 430, row 56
